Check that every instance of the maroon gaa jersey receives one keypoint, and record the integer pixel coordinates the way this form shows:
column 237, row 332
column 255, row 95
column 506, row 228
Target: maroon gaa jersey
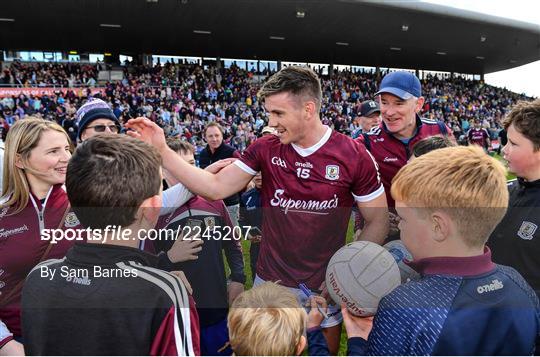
column 21, row 245
column 307, row 196
column 478, row 136
column 392, row 154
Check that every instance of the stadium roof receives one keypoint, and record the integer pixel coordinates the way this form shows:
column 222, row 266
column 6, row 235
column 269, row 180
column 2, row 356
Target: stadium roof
column 353, row 32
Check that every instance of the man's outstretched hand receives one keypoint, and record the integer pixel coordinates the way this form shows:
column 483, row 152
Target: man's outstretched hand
column 147, row 131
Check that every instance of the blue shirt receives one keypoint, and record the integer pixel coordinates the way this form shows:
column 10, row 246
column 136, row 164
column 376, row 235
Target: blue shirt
column 460, row 306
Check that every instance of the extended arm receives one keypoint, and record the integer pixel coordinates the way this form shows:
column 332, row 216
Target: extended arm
column 228, row 181
column 375, row 213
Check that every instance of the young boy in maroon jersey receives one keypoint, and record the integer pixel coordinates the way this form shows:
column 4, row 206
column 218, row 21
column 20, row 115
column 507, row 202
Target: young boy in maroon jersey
column 206, row 270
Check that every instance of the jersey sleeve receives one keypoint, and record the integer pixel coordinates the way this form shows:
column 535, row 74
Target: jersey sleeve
column 5, row 335
column 176, row 336
column 367, row 183
column 250, row 160
column 173, row 198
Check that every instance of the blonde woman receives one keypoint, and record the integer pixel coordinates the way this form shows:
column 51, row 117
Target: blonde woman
column 32, row 199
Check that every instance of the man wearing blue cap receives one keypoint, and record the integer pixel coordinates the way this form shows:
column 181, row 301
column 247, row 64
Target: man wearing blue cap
column 391, row 142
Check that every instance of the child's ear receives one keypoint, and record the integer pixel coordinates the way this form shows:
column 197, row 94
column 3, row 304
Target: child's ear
column 301, row 345
column 149, row 209
column 442, row 226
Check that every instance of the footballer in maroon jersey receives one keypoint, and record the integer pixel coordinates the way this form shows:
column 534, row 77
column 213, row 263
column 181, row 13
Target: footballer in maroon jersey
column 478, row 136
column 311, row 177
column 306, row 202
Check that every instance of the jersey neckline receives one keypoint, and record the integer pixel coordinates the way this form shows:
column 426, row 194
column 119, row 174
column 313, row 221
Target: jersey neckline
column 305, row 152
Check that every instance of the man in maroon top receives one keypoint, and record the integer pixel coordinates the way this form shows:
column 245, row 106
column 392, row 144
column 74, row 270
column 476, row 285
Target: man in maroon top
column 400, row 96
column 311, row 177
column 478, row 136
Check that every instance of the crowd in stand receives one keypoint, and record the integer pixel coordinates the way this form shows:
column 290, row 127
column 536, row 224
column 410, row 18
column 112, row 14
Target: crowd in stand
column 183, row 98
column 37, row 74
column 167, row 303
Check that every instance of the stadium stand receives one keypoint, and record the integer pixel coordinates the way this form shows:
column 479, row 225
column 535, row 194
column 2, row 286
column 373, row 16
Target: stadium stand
column 184, row 97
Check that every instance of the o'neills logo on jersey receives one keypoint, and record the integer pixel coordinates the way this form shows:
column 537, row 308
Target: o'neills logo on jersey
column 390, row 159
column 304, row 206
column 4, row 233
column 306, row 165
column 495, row 285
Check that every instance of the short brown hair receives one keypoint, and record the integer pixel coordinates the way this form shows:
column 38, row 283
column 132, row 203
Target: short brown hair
column 525, row 116
column 266, row 320
column 180, row 146
column 299, row 81
column 109, row 177
column 462, row 181
column 214, row 124
column 431, row 143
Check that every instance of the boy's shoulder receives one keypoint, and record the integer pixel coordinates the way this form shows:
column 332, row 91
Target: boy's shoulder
column 427, row 289
column 120, row 279
column 442, row 291
column 410, row 318
column 420, row 316
column 519, row 283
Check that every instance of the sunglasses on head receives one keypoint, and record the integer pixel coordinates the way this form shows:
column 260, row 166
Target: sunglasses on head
column 101, row 128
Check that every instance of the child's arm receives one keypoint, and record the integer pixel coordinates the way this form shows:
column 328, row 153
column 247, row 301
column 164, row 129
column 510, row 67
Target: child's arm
column 358, row 329
column 12, row 348
column 8, row 346
column 316, row 342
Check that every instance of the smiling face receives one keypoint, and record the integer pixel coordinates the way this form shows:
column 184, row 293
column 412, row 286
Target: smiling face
column 286, row 114
column 399, row 115
column 47, row 162
column 213, row 137
column 519, row 152
column 370, row 121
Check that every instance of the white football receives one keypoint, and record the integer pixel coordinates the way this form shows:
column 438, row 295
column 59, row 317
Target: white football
column 360, row 274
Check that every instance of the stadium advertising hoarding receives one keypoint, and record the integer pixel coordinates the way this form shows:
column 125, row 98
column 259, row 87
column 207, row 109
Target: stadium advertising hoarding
column 9, row 92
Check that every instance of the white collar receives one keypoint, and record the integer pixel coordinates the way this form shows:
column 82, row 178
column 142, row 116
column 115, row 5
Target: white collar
column 310, row 150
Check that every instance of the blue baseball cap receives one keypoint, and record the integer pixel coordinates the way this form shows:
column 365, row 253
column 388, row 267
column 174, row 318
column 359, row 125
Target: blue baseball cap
column 402, row 84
